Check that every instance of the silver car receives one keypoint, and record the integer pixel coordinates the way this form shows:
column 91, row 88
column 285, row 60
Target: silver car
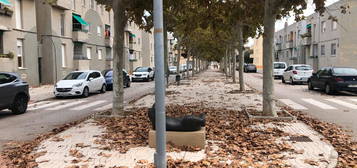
column 298, row 73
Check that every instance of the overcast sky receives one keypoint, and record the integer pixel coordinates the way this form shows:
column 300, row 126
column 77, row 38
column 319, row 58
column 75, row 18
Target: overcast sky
column 280, row 23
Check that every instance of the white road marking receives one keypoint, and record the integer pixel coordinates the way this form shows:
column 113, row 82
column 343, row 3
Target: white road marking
column 88, row 105
column 47, row 105
column 106, row 107
column 37, row 104
column 319, row 104
column 342, row 103
column 65, row 105
column 292, row 104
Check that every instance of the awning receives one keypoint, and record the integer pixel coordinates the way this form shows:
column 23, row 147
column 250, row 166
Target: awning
column 132, row 35
column 308, row 26
column 79, row 19
column 5, row 2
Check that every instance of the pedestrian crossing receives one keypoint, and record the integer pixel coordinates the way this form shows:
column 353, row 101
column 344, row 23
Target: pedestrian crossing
column 98, row 105
column 324, row 104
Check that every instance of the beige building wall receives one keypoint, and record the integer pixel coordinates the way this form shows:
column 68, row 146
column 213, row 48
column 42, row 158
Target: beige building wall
column 258, row 53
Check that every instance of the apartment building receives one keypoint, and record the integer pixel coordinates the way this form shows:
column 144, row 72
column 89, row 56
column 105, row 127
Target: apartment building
column 43, row 42
column 321, row 40
column 257, row 54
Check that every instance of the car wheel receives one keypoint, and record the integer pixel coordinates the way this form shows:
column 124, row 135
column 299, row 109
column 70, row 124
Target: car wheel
column 328, row 89
column 310, row 86
column 85, row 92
column 283, row 80
column 104, row 89
column 128, row 84
column 292, row 81
column 19, row 105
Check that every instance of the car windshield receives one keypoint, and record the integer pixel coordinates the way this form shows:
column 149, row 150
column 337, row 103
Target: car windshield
column 109, row 74
column 279, row 66
column 345, row 71
column 142, row 69
column 304, row 68
column 172, row 67
column 76, row 76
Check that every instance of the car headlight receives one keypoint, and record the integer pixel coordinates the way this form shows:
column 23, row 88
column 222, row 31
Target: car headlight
column 78, row 85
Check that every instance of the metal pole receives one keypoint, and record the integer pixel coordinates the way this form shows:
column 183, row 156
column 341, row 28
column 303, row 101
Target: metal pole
column 160, row 155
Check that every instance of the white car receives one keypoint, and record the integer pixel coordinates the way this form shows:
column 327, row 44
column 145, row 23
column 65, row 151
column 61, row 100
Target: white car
column 173, row 69
column 183, row 68
column 298, row 73
column 279, row 68
column 80, row 83
column 143, row 74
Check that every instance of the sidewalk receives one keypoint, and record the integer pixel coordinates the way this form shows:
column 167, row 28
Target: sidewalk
column 232, row 140
column 41, row 93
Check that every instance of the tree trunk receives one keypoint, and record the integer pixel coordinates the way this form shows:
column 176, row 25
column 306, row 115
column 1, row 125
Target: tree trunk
column 193, row 65
column 241, row 56
column 234, row 67
column 120, row 22
column 268, row 83
column 224, row 67
column 178, row 59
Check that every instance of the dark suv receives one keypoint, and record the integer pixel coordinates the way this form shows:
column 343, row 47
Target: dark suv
column 14, row 93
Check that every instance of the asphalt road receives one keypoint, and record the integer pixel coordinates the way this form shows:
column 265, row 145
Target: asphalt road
column 43, row 116
column 340, row 109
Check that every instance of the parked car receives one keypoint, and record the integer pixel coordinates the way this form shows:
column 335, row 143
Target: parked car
column 279, row 68
column 298, row 73
column 250, row 68
column 143, row 74
column 183, row 68
column 108, row 75
column 14, row 93
column 80, row 83
column 173, row 69
column 334, row 79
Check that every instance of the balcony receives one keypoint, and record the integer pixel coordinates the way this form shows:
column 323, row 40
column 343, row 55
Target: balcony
column 79, row 36
column 63, row 4
column 306, row 41
column 289, row 44
column 108, row 42
column 278, row 46
column 131, row 45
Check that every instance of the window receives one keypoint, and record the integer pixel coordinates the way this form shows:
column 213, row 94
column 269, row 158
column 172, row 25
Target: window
column 91, row 2
column 334, row 25
column 99, row 30
column 333, row 49
column 1, row 42
column 322, row 49
column 323, row 26
column 20, row 56
column 6, row 78
column 18, row 14
column 63, row 55
column 100, row 54
column 62, row 24
column 139, row 41
column 89, row 53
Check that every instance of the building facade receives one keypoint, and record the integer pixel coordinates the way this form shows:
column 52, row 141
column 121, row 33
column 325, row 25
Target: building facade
column 257, row 54
column 321, row 40
column 44, row 42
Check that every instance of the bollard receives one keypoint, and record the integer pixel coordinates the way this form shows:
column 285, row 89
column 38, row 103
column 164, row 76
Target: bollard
column 178, row 79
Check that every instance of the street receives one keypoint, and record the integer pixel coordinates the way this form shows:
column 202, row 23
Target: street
column 340, row 109
column 43, row 116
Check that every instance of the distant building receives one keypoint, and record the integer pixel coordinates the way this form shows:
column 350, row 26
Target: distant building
column 43, row 42
column 327, row 40
column 257, row 54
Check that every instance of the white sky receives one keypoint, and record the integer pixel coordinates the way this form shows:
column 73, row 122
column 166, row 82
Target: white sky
column 280, row 23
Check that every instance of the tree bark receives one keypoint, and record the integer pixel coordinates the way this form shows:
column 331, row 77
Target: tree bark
column 193, row 65
column 241, row 56
column 120, row 22
column 268, row 81
column 178, row 59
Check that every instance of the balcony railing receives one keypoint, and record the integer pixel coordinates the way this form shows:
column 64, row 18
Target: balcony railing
column 306, row 41
column 278, row 46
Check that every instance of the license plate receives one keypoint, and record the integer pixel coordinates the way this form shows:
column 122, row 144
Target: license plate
column 353, row 86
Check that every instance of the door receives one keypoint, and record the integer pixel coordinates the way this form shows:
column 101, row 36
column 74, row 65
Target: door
column 287, row 73
column 322, row 76
column 98, row 81
column 91, row 83
column 7, row 89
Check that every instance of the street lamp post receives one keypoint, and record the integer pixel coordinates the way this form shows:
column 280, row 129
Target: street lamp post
column 160, row 155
